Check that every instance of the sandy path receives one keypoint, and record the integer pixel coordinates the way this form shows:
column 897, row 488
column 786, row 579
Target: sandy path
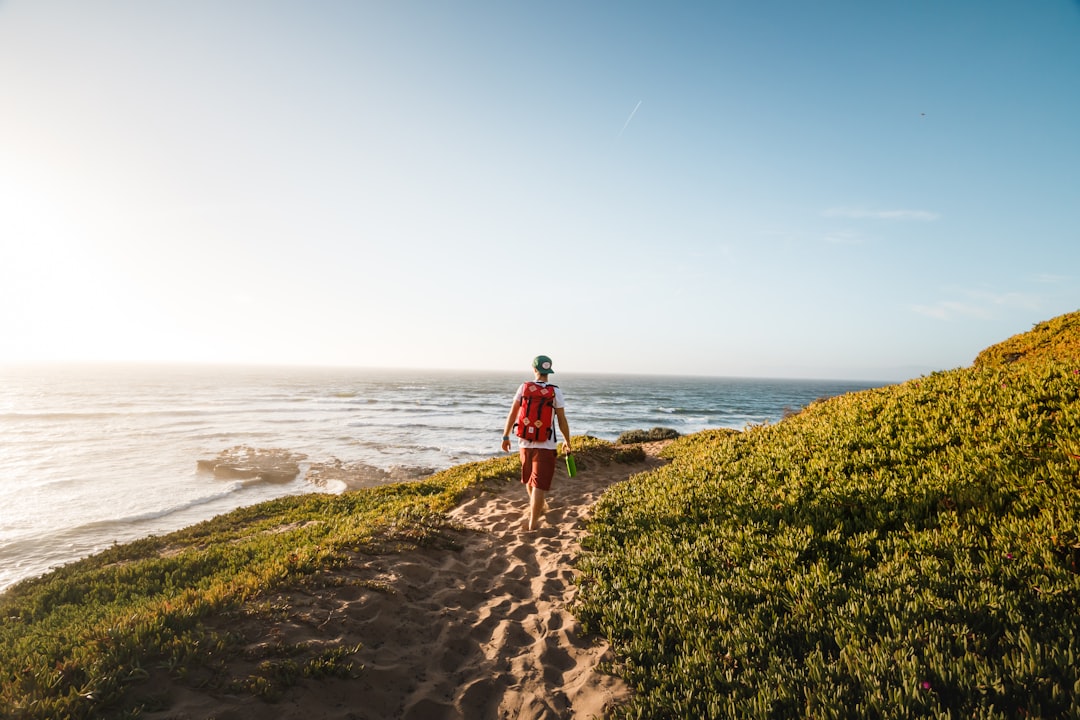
column 479, row 632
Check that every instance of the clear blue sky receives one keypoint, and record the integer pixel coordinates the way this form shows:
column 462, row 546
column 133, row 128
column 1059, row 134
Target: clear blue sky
column 861, row 190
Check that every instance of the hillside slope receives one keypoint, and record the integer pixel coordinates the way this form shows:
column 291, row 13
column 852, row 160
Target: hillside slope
column 1056, row 339
column 907, row 551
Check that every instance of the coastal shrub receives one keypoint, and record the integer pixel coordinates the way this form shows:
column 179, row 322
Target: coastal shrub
column 908, row 551
column 653, row 435
column 629, row 455
column 632, row 436
column 590, row 451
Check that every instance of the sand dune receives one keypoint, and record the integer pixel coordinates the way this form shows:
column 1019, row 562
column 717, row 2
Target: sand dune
column 480, row 630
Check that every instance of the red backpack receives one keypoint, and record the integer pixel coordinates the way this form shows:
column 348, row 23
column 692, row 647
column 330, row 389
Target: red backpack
column 535, row 415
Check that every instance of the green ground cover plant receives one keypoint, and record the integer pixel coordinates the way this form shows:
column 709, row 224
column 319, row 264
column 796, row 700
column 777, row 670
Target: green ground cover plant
column 907, row 551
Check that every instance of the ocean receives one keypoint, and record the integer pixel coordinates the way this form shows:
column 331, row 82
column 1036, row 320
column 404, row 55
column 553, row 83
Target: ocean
column 92, row 456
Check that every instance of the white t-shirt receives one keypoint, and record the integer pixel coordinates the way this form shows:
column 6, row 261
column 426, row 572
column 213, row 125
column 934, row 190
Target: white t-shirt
column 550, row 443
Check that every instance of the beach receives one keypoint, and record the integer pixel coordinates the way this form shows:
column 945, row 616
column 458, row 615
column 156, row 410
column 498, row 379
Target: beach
column 479, row 628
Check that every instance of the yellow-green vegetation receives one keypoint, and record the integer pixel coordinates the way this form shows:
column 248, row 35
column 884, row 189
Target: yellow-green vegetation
column 77, row 642
column 1054, row 339
column 908, row 551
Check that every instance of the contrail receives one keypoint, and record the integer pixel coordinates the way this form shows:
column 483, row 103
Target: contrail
column 629, row 118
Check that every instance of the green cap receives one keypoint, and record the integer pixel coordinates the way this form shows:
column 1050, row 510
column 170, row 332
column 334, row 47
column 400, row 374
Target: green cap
column 542, row 364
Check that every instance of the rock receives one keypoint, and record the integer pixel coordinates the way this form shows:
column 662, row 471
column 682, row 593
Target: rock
column 246, row 463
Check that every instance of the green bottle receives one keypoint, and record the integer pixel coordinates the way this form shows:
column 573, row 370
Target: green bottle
column 571, row 466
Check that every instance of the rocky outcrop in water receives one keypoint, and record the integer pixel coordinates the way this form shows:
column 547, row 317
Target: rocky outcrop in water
column 247, row 463
column 276, row 465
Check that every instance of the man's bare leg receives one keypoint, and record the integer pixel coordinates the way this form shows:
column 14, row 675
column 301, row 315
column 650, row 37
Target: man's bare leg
column 528, row 509
column 536, row 508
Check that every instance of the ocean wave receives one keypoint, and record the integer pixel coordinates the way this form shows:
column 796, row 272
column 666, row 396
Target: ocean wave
column 196, row 415
column 54, row 415
column 347, row 400
column 694, row 411
column 230, row 434
column 419, row 426
column 33, row 554
column 152, row 515
column 384, row 445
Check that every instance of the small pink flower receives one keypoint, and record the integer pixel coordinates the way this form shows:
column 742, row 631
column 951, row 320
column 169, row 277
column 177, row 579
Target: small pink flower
column 1008, row 556
column 925, row 685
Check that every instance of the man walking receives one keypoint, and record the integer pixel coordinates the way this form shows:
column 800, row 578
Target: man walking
column 536, row 404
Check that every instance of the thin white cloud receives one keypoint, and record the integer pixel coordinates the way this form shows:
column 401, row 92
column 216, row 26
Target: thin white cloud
column 862, row 214
column 978, row 304
column 842, row 237
column 631, row 117
column 1048, row 278
column 1024, row 301
column 931, row 311
column 948, row 309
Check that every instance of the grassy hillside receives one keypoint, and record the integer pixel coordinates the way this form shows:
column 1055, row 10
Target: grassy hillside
column 909, row 551
column 77, row 642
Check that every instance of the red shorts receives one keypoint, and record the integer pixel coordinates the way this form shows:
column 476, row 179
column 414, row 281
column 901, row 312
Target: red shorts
column 537, row 467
